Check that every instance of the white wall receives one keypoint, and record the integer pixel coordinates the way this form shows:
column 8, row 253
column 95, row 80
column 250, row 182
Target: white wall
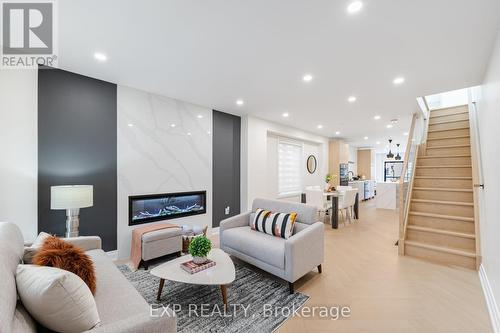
column 258, row 174
column 18, row 147
column 154, row 157
column 353, row 157
column 488, row 122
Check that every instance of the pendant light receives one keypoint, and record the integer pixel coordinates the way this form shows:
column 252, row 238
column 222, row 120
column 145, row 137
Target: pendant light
column 398, row 157
column 390, row 154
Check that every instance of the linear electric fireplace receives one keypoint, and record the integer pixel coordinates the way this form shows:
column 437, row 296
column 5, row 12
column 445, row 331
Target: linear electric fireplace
column 156, row 207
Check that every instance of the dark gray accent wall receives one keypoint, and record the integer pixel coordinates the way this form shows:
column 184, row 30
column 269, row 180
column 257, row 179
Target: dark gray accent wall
column 77, row 143
column 225, row 166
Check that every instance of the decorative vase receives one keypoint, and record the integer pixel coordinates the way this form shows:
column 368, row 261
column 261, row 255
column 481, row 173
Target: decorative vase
column 199, row 260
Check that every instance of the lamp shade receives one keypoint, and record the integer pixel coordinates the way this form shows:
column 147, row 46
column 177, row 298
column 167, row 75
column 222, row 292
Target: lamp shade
column 71, row 196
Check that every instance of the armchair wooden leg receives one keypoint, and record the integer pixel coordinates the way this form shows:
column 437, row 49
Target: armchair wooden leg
column 320, row 270
column 291, row 287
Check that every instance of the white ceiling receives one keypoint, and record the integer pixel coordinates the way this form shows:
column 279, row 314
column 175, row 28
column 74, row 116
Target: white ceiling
column 213, row 52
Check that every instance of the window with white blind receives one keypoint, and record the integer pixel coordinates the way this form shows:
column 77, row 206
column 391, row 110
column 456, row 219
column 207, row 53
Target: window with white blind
column 289, row 168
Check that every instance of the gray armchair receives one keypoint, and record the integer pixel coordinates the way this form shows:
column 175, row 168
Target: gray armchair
column 289, row 259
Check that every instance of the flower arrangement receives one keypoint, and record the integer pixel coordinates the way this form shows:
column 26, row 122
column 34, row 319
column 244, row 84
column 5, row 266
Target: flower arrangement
column 199, row 248
column 328, row 178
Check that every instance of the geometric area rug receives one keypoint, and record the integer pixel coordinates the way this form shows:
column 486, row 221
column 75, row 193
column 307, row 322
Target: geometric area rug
column 256, row 303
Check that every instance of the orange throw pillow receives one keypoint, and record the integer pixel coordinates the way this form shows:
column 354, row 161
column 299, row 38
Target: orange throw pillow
column 57, row 253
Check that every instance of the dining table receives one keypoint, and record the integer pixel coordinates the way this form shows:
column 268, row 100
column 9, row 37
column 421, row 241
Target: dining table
column 334, row 197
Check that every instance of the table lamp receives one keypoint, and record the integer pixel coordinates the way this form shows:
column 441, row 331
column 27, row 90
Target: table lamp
column 71, row 198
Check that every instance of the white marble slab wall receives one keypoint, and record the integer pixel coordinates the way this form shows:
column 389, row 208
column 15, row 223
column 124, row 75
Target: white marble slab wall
column 164, row 145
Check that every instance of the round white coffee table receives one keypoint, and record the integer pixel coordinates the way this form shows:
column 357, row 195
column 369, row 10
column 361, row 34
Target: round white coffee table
column 222, row 273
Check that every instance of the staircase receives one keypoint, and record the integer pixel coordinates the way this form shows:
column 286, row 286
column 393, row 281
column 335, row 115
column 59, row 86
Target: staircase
column 440, row 225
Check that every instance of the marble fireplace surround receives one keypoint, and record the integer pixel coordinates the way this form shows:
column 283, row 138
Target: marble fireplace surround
column 164, row 146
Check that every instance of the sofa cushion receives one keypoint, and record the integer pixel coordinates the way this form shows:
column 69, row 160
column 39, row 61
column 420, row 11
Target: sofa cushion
column 55, row 252
column 258, row 245
column 161, row 234
column 115, row 297
column 11, row 253
column 305, row 213
column 274, row 224
column 56, row 298
column 30, row 251
column 22, row 321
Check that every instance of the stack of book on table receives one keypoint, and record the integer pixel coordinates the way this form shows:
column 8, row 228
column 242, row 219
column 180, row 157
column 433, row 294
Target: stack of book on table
column 191, row 267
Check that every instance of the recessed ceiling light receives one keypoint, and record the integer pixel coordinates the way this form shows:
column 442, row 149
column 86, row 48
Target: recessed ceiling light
column 320, row 126
column 172, row 125
column 240, row 102
column 285, row 115
column 351, row 99
column 188, row 133
column 405, row 133
column 354, row 7
column 378, row 142
column 377, row 117
column 399, row 80
column 100, row 56
column 307, row 78
column 199, row 116
column 130, row 125
column 208, row 132
column 366, row 138
column 337, row 133
column 389, row 126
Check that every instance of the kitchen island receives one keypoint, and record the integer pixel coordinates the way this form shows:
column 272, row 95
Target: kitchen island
column 387, row 195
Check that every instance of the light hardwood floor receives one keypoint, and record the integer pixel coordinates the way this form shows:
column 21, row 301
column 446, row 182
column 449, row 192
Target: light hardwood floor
column 386, row 292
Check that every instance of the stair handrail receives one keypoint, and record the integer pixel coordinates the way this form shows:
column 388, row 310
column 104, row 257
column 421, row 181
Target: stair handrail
column 417, row 137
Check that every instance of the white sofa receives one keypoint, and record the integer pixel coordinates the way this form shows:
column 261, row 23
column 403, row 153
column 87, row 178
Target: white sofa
column 121, row 308
column 289, row 259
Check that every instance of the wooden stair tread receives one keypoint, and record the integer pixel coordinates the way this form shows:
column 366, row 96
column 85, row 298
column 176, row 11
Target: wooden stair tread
column 446, row 115
column 461, row 252
column 443, row 189
column 448, row 122
column 448, row 146
column 441, row 202
column 446, row 129
column 442, row 156
column 440, row 216
column 443, row 177
column 442, row 166
column 449, row 137
column 442, row 232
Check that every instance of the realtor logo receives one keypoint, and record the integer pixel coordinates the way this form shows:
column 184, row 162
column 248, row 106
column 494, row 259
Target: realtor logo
column 28, row 32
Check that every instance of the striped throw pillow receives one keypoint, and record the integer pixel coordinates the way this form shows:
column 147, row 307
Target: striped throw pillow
column 275, row 224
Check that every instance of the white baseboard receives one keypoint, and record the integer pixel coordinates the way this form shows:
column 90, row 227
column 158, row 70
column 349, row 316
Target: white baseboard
column 113, row 254
column 490, row 300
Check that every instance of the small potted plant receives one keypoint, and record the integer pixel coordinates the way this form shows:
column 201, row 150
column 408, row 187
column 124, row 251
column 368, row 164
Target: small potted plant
column 199, row 248
column 328, row 179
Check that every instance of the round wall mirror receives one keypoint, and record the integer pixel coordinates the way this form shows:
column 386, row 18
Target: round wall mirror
column 311, row 164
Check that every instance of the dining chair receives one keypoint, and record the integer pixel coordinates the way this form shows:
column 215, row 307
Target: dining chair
column 346, row 202
column 315, row 197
